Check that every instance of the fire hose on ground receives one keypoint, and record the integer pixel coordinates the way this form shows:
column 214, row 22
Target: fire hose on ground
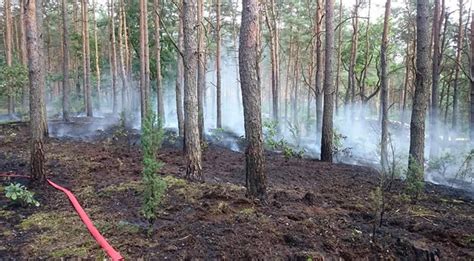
column 111, row 252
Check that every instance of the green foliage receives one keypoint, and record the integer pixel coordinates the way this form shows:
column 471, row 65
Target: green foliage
column 338, row 144
column 271, row 140
column 467, row 167
column 441, row 164
column 12, row 79
column 154, row 185
column 19, row 193
column 414, row 180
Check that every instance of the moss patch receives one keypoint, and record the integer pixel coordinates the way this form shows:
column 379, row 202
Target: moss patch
column 60, row 234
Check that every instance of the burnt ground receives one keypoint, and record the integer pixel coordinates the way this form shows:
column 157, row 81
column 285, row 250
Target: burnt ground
column 314, row 210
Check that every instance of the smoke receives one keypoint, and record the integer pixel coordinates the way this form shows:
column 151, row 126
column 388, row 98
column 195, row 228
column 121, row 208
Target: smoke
column 357, row 128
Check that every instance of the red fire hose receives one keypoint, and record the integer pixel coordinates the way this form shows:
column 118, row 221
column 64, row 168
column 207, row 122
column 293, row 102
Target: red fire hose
column 111, row 252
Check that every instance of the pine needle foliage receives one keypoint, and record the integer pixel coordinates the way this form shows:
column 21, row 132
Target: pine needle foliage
column 154, row 185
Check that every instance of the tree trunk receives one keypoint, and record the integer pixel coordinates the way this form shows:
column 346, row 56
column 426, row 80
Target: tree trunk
column 201, row 67
column 159, row 87
column 255, row 176
column 97, row 55
column 471, row 120
column 339, row 57
column 179, row 77
column 350, row 94
column 86, row 63
column 384, row 88
column 191, row 124
column 122, row 59
column 65, row 65
column 113, row 58
column 218, row 64
column 327, row 128
column 275, row 71
column 367, row 61
column 318, row 89
column 415, row 174
column 144, row 55
column 24, row 57
column 36, row 80
column 9, row 53
column 406, row 82
column 434, row 137
column 460, row 36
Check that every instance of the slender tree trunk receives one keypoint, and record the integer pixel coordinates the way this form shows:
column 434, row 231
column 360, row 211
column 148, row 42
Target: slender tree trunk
column 406, row 82
column 367, row 61
column 296, row 79
column 144, row 69
column 86, row 59
column 415, row 174
column 218, row 64
column 113, row 58
column 126, row 43
column 350, row 94
column 288, row 69
column 9, row 52
column 201, row 67
column 327, row 129
column 36, row 80
column 384, row 88
column 122, row 59
column 460, row 36
column 434, row 151
column 97, row 54
column 159, row 88
column 318, row 88
column 274, row 41
column 191, row 124
column 65, row 65
column 24, row 57
column 179, row 77
column 471, row 120
column 339, row 57
column 255, row 176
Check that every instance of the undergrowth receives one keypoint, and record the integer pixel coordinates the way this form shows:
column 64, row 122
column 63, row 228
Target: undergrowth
column 154, row 185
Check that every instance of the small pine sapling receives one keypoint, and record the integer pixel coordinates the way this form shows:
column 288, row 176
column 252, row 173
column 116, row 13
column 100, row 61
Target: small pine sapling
column 154, row 185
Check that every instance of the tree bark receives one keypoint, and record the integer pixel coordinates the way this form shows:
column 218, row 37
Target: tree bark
column 179, row 76
column 201, row 67
column 113, row 58
column 122, row 59
column 434, row 137
column 97, row 55
column 274, row 52
column 471, row 120
column 24, row 56
column 191, row 124
column 144, row 55
column 327, row 129
column 339, row 57
column 318, row 88
column 86, row 63
column 218, row 64
column 65, row 65
column 350, row 93
column 255, row 176
column 460, row 36
column 159, row 87
column 9, row 53
column 384, row 88
column 417, row 126
column 36, row 80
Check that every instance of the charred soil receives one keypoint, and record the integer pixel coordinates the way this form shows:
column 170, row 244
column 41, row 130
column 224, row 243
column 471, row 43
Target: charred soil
column 314, row 210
